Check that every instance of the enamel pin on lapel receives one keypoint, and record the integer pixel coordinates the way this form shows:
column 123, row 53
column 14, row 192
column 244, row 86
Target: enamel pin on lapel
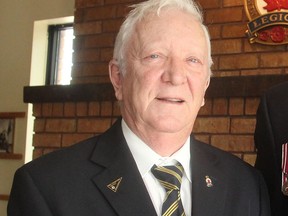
column 114, row 185
column 208, row 181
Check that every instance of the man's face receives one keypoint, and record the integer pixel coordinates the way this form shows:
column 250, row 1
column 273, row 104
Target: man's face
column 166, row 75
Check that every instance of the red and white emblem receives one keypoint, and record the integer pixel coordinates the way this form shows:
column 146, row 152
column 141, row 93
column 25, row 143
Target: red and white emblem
column 268, row 21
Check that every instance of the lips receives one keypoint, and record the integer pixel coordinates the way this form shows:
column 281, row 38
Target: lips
column 171, row 100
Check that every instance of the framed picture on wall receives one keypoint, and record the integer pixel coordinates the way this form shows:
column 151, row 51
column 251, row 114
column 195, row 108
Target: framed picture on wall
column 7, row 128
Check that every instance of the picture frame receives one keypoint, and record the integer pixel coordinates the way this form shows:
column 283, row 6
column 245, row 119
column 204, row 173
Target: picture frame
column 7, row 130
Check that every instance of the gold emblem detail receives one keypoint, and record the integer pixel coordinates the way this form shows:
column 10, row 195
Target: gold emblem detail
column 114, row 185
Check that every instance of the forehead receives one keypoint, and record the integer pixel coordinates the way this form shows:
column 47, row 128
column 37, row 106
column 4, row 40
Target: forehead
column 173, row 24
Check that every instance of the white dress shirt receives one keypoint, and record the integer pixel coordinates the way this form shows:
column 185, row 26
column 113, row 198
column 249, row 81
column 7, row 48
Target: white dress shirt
column 145, row 158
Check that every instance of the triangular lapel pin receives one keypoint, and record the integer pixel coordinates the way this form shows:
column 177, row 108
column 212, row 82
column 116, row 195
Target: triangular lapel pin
column 114, row 185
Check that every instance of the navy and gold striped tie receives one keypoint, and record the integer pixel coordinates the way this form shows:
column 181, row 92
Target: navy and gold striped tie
column 170, row 177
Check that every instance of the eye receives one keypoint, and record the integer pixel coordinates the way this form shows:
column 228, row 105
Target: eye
column 154, row 56
column 194, row 60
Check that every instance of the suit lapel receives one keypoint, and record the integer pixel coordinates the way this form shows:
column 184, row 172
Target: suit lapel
column 208, row 184
column 120, row 181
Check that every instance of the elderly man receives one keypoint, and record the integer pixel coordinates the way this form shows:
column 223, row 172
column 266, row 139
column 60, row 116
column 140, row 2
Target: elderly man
column 147, row 163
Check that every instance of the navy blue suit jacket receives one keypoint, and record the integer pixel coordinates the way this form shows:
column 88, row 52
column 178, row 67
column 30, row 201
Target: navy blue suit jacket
column 74, row 182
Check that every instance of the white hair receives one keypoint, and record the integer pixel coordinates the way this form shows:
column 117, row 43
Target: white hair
column 140, row 10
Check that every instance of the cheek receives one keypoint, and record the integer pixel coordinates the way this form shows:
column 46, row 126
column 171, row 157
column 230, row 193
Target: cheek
column 198, row 87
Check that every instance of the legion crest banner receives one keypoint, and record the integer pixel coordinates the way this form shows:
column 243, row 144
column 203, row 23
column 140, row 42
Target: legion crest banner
column 268, row 21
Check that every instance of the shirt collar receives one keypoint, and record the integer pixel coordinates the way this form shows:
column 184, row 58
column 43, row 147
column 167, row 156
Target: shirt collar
column 145, row 157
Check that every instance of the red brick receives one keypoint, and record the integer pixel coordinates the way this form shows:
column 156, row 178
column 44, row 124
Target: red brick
column 58, row 109
column 233, row 143
column 206, row 109
column 69, row 109
column 214, row 31
column 94, row 109
column 232, row 3
column 70, row 139
column 47, row 109
column 39, row 125
column 88, row 28
column 87, row 55
column 81, row 109
column 262, row 71
column 236, row 106
column 37, row 109
column 234, row 30
column 88, row 3
column 243, row 125
column 215, row 65
column 93, row 125
column 116, row 109
column 60, row 125
column 94, row 69
column 49, row 150
column 274, row 59
column 121, row 1
column 100, row 13
column 220, row 106
column 79, row 43
column 79, row 15
column 203, row 138
column 211, row 125
column 238, row 61
column 112, row 25
column 106, row 54
column 226, row 15
column 205, row 4
column 250, row 158
column 251, row 106
column 37, row 152
column 226, row 73
column 106, row 108
column 99, row 41
column 226, row 46
column 47, row 140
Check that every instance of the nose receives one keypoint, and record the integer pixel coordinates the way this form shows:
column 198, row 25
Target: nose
column 174, row 72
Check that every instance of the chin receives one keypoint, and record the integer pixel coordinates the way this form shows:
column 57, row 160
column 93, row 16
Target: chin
column 171, row 126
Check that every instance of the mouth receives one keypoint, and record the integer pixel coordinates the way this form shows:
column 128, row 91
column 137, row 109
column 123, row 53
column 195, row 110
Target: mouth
column 171, row 100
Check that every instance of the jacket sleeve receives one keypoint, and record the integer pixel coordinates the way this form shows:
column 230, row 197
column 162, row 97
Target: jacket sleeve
column 25, row 198
column 265, row 144
column 265, row 209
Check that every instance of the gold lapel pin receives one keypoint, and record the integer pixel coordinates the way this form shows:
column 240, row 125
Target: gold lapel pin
column 208, row 181
column 114, row 185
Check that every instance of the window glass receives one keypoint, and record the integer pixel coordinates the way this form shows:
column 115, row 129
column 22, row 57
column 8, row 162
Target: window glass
column 60, row 50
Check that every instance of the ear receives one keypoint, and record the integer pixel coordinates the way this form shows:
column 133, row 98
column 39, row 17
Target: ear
column 116, row 78
column 207, row 84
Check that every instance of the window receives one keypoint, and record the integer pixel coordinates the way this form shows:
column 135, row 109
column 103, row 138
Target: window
column 59, row 57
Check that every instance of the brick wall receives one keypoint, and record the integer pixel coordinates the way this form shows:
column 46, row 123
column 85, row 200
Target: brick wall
column 225, row 122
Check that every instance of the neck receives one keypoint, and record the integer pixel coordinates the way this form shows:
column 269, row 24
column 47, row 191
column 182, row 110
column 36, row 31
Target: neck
column 163, row 143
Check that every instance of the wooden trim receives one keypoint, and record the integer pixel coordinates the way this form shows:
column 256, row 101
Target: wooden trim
column 4, row 197
column 240, row 86
column 12, row 114
column 10, row 156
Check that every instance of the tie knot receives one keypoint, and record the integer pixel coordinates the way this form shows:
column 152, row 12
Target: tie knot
column 170, row 177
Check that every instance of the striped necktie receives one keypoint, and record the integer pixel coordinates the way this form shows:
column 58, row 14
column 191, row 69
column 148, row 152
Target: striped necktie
column 170, row 177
